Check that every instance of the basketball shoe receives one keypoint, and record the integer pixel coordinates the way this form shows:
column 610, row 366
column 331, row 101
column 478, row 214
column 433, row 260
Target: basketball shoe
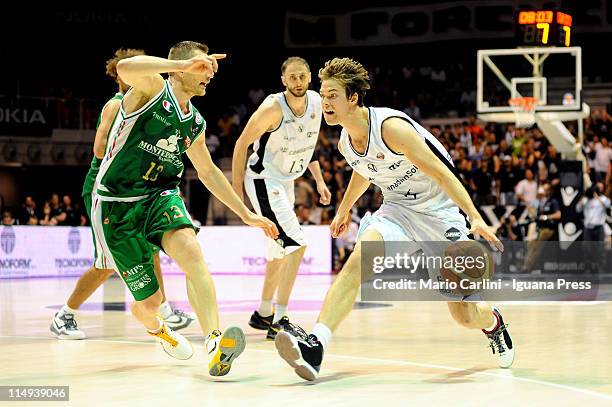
column 277, row 327
column 179, row 320
column 65, row 326
column 173, row 343
column 303, row 352
column 500, row 341
column 259, row 322
column 223, row 349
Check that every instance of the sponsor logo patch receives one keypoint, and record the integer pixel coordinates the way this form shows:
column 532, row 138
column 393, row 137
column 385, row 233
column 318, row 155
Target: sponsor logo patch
column 452, row 234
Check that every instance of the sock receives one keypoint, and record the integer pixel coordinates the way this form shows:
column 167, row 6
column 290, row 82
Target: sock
column 279, row 312
column 154, row 331
column 265, row 308
column 67, row 310
column 165, row 310
column 323, row 334
column 494, row 324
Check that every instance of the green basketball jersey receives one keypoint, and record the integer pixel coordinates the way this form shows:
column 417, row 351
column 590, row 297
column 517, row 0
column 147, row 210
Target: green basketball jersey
column 145, row 147
column 90, row 178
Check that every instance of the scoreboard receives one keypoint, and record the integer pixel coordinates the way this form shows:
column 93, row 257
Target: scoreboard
column 543, row 28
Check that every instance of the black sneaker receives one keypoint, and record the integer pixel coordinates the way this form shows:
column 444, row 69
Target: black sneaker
column 303, row 352
column 259, row 322
column 277, row 327
column 501, row 342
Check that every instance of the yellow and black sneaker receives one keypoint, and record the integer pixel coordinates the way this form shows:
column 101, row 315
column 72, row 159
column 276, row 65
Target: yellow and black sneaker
column 223, row 349
column 259, row 322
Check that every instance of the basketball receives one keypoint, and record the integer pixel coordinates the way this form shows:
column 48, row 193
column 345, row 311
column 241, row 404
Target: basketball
column 468, row 264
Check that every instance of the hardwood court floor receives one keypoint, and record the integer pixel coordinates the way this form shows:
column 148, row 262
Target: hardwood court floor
column 408, row 353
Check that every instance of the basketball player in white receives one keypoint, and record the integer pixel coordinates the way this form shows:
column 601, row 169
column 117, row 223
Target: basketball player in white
column 422, row 202
column 284, row 131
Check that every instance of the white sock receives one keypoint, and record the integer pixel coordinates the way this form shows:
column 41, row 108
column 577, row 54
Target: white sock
column 67, row 310
column 323, row 334
column 154, row 331
column 165, row 310
column 265, row 308
column 494, row 324
column 279, row 312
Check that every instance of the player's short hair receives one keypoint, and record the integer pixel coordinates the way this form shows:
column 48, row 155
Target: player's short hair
column 185, row 50
column 291, row 60
column 121, row 53
column 350, row 73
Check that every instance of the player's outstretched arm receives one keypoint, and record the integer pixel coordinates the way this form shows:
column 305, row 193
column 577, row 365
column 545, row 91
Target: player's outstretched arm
column 108, row 115
column 401, row 137
column 356, row 187
column 143, row 72
column 266, row 118
column 212, row 177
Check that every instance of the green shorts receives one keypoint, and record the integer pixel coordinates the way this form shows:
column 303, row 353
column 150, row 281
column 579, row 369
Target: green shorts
column 125, row 232
column 99, row 261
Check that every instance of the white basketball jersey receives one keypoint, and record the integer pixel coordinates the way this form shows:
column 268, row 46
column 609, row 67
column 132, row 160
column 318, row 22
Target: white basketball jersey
column 284, row 153
column 401, row 181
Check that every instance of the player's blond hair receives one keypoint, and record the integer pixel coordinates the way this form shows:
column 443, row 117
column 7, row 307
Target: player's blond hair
column 121, row 53
column 350, row 74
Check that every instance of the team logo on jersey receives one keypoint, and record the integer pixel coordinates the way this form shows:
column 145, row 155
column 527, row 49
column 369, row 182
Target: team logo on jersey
column 167, row 106
column 452, row 234
column 170, row 144
column 199, row 119
column 372, row 167
column 380, row 156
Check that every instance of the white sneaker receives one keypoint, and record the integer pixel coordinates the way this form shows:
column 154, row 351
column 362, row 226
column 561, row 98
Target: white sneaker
column 179, row 320
column 501, row 342
column 65, row 326
column 173, row 343
column 223, row 349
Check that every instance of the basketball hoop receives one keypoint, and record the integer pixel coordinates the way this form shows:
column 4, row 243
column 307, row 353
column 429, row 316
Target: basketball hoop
column 524, row 111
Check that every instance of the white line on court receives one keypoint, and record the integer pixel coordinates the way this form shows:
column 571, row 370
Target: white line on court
column 375, row 360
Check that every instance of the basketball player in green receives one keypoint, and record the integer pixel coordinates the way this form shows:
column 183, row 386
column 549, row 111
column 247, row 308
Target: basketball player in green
column 137, row 204
column 64, row 324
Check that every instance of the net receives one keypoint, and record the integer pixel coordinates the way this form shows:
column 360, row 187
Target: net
column 524, row 111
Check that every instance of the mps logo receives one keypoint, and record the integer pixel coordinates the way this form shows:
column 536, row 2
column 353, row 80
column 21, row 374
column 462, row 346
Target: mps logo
column 74, row 240
column 452, row 234
column 167, row 106
column 7, row 239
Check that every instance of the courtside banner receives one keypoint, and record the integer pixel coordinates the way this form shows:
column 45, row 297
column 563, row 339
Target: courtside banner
column 55, row 251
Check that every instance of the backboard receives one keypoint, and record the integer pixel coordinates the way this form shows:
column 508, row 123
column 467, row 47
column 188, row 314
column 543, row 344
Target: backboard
column 551, row 75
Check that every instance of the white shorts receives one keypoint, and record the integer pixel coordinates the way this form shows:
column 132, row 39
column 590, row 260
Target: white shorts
column 397, row 223
column 275, row 200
